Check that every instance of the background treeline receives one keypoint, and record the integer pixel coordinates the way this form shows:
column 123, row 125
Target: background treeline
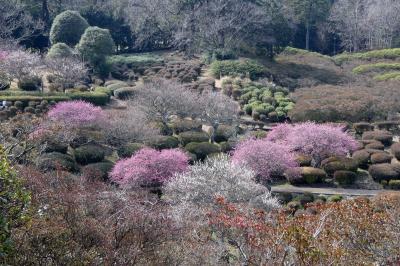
column 252, row 26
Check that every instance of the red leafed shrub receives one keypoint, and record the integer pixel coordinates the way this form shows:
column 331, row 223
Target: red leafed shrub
column 319, row 141
column 149, row 166
column 350, row 231
column 267, row 159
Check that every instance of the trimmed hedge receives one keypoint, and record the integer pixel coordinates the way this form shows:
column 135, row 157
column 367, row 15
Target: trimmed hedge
column 235, row 68
column 165, row 142
column 98, row 171
column 193, row 136
column 56, row 161
column 129, row 149
column 95, row 98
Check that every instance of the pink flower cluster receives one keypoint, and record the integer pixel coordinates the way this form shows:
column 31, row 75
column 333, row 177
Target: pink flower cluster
column 77, row 114
column 317, row 140
column 267, row 159
column 149, row 166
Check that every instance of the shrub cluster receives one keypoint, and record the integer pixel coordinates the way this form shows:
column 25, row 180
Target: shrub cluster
column 68, row 28
column 362, row 69
column 237, row 68
column 376, row 54
column 261, row 101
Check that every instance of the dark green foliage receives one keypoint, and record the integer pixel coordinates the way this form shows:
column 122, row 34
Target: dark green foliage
column 185, row 125
column 304, row 198
column 165, row 142
column 193, row 136
column 383, row 171
column 394, row 184
column 224, row 133
column 129, row 149
column 335, row 198
column 124, row 93
column 60, row 50
column 13, row 208
column 53, row 146
column 97, row 171
column 381, row 157
column 94, row 46
column 68, row 28
column 362, row 157
column 202, row 149
column 345, row 177
column 56, row 161
column 29, row 83
column 247, row 68
column 333, row 164
column 89, row 154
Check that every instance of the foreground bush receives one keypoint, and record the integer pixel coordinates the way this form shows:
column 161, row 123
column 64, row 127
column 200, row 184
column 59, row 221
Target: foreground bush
column 60, row 50
column 317, row 141
column 267, row 159
column 14, row 203
column 149, row 167
column 68, row 28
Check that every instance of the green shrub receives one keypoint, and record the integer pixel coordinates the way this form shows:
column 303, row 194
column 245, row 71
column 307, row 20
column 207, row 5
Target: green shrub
column 165, row 142
column 335, row 198
column 88, row 154
column 117, row 85
column 224, row 132
column 135, row 60
column 124, row 93
column 202, row 149
column 383, row 171
column 304, row 198
column 95, row 98
column 54, row 146
column 394, row 184
column 345, row 177
column 245, row 68
column 68, row 28
column 94, row 46
column 105, row 90
column 56, row 161
column 193, row 136
column 98, row 171
column 29, row 83
column 129, row 149
column 60, row 50
column 376, row 67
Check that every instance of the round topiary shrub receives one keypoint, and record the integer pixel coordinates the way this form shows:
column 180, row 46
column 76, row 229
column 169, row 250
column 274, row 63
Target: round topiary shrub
column 335, row 198
column 68, row 28
column 29, row 83
column 60, row 50
column 395, row 148
column 362, row 157
column 88, row 154
column 224, row 132
column 345, row 177
column 380, row 135
column 193, row 136
column 165, row 142
column 202, row 149
column 19, row 105
column 333, row 164
column 94, row 46
column 305, row 175
column 129, row 149
column 303, row 160
column 377, row 145
column 29, row 110
column 383, row 171
column 362, row 127
column 56, row 161
column 381, row 157
column 394, row 184
column 98, row 171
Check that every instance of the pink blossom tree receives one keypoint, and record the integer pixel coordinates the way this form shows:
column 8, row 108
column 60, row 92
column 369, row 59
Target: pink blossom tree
column 149, row 167
column 320, row 141
column 267, row 159
column 77, row 114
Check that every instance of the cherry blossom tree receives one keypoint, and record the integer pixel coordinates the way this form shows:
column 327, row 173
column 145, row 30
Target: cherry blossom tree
column 149, row 167
column 267, row 159
column 320, row 141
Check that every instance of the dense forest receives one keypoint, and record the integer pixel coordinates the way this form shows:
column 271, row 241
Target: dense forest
column 200, row 132
column 254, row 26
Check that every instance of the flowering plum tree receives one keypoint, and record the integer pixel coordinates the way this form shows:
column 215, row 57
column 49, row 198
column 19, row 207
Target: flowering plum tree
column 149, row 167
column 317, row 140
column 77, row 114
column 267, row 159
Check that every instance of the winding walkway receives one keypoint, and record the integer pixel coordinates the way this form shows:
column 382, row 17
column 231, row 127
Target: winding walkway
column 328, row 191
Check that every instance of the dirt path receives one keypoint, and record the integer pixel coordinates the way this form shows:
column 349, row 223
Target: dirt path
column 328, row 191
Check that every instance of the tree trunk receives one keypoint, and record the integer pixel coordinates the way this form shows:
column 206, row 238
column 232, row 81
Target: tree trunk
column 307, row 36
